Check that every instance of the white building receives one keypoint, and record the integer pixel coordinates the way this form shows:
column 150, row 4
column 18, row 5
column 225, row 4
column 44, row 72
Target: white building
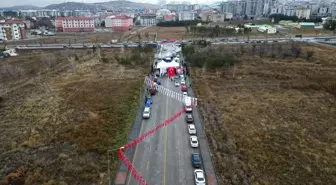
column 267, row 29
column 148, row 20
column 108, row 21
column 186, row 16
column 303, row 13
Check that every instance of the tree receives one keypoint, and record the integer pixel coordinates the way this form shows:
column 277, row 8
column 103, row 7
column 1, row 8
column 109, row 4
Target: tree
column 147, row 36
column 139, row 36
column 329, row 24
column 102, row 24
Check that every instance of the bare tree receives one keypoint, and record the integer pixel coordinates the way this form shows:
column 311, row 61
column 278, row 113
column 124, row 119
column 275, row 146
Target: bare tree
column 147, row 36
column 49, row 60
column 13, row 72
column 73, row 64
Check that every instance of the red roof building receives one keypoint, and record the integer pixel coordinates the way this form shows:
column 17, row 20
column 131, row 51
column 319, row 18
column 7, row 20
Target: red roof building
column 74, row 24
column 122, row 23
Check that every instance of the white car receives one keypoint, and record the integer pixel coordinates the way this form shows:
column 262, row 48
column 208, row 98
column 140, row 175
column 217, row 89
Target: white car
column 199, row 177
column 183, row 82
column 185, row 93
column 192, row 129
column 194, row 141
column 177, row 83
column 182, row 76
column 146, row 113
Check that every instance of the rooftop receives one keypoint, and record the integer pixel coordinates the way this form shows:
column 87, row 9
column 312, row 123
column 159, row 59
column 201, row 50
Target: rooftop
column 74, row 18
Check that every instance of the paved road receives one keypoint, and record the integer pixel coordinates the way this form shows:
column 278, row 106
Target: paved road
column 164, row 158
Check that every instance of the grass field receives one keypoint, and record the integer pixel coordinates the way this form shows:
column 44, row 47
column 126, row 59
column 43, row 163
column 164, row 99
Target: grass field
column 271, row 120
column 61, row 112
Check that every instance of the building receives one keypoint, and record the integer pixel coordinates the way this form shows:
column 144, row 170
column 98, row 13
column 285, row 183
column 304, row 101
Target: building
column 303, row 13
column 212, row 17
column 74, row 24
column 122, row 23
column 108, row 21
column 148, row 20
column 267, row 29
column 303, row 25
column 12, row 30
column 171, row 17
column 182, row 7
column 186, row 16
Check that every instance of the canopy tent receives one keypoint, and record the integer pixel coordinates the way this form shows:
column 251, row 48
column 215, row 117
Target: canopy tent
column 162, row 65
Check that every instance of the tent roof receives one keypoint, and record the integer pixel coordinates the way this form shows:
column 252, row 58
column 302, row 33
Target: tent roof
column 163, row 64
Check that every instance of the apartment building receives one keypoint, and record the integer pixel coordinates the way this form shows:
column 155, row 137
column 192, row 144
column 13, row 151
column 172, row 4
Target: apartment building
column 250, row 8
column 213, row 17
column 12, row 30
column 186, row 16
column 148, row 19
column 182, row 7
column 122, row 23
column 74, row 24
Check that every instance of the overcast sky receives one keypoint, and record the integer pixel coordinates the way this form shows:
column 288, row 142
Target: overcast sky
column 7, row 3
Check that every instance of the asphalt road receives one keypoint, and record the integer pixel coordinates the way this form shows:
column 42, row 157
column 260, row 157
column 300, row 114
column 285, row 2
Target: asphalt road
column 164, row 157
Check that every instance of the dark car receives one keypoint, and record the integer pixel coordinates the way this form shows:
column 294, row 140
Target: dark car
column 196, row 160
column 189, row 118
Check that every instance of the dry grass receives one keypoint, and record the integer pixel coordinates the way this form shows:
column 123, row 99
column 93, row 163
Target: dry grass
column 58, row 122
column 272, row 121
column 163, row 33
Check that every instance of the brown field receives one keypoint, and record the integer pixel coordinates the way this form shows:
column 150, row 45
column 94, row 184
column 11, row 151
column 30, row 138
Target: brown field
column 163, row 33
column 61, row 111
column 272, row 120
column 73, row 38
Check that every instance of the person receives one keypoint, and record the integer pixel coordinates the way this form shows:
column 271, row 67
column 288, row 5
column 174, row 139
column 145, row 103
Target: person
column 145, row 99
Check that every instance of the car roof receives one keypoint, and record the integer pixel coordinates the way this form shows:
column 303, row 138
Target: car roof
column 189, row 116
column 199, row 174
column 193, row 137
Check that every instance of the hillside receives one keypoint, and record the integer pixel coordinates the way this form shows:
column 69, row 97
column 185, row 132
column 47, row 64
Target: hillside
column 72, row 6
column 87, row 6
column 22, row 7
column 128, row 4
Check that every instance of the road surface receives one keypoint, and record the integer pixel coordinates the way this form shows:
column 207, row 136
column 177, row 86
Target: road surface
column 164, row 157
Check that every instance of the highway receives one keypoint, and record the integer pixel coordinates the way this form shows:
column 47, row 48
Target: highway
column 118, row 45
column 165, row 157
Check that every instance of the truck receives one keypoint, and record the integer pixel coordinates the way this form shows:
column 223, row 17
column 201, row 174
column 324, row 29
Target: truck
column 188, row 103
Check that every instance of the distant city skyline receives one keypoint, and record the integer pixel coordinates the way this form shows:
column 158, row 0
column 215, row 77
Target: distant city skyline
column 43, row 3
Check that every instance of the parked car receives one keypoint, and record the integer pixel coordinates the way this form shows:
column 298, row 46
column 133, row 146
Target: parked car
column 184, row 88
column 185, row 93
column 199, row 177
column 193, row 141
column 189, row 118
column 177, row 83
column 191, row 129
column 146, row 113
column 196, row 160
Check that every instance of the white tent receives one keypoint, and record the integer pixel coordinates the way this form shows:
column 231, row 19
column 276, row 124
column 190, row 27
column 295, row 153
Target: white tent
column 162, row 65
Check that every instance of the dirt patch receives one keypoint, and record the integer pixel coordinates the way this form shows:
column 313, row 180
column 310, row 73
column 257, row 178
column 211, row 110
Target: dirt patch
column 272, row 120
column 163, row 33
column 58, row 121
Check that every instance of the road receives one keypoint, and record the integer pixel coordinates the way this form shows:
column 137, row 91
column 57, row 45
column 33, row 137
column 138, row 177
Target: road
column 164, row 157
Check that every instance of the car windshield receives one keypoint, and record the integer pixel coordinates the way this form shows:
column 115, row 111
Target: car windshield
column 200, row 179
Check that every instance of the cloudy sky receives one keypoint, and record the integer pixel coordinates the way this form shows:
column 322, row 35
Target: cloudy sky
column 7, row 3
